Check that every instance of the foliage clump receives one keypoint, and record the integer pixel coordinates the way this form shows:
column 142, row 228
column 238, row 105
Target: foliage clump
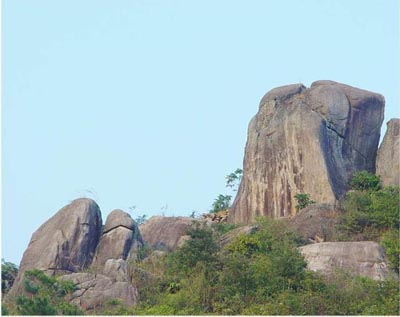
column 44, row 295
column 9, row 272
column 303, row 200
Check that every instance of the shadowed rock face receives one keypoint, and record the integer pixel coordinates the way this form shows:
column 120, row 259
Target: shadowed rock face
column 364, row 258
column 64, row 243
column 306, row 141
column 388, row 159
column 120, row 238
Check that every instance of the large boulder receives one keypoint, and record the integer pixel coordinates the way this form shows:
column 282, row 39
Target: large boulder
column 120, row 238
column 388, row 159
column 315, row 223
column 94, row 290
column 65, row 243
column 306, row 141
column 364, row 258
column 166, row 233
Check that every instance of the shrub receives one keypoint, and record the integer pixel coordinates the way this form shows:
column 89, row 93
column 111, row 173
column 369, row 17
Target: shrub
column 369, row 213
column 47, row 296
column 390, row 240
column 9, row 272
column 303, row 200
column 365, row 181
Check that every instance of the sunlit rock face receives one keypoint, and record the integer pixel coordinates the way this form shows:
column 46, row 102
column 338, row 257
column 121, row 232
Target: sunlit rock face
column 306, row 140
column 388, row 160
column 364, row 258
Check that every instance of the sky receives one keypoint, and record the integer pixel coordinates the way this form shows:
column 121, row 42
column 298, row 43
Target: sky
column 146, row 103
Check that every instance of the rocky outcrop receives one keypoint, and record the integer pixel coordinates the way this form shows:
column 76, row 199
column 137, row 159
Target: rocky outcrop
column 166, row 233
column 65, row 243
column 216, row 217
column 120, row 238
column 315, row 223
column 388, row 159
column 94, row 290
column 365, row 258
column 306, row 141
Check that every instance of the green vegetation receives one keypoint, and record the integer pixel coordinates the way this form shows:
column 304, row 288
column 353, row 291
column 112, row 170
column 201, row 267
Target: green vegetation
column 233, row 179
column 303, row 200
column 222, row 202
column 365, row 181
column 44, row 296
column 372, row 213
column 9, row 272
column 261, row 273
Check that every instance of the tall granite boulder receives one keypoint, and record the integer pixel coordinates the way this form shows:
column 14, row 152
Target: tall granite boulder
column 166, row 233
column 365, row 258
column 120, row 238
column 306, row 141
column 388, row 159
column 65, row 243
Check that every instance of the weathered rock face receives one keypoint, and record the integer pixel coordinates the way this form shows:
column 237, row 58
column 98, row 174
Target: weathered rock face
column 94, row 290
column 165, row 232
column 306, row 141
column 388, row 159
column 120, row 238
column 365, row 258
column 64, row 243
column 315, row 223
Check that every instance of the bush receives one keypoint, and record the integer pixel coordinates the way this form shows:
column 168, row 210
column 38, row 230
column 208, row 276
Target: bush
column 47, row 296
column 369, row 213
column 201, row 247
column 365, row 181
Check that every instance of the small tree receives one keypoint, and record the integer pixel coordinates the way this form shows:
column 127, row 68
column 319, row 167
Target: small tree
column 303, row 200
column 222, row 202
column 233, row 179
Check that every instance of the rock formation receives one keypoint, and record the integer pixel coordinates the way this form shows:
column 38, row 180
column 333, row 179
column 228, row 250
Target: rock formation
column 364, row 258
column 165, row 232
column 388, row 159
column 315, row 223
column 73, row 240
column 65, row 243
column 93, row 290
column 120, row 238
column 306, row 141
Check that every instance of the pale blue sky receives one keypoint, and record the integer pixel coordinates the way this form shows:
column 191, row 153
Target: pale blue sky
column 147, row 102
